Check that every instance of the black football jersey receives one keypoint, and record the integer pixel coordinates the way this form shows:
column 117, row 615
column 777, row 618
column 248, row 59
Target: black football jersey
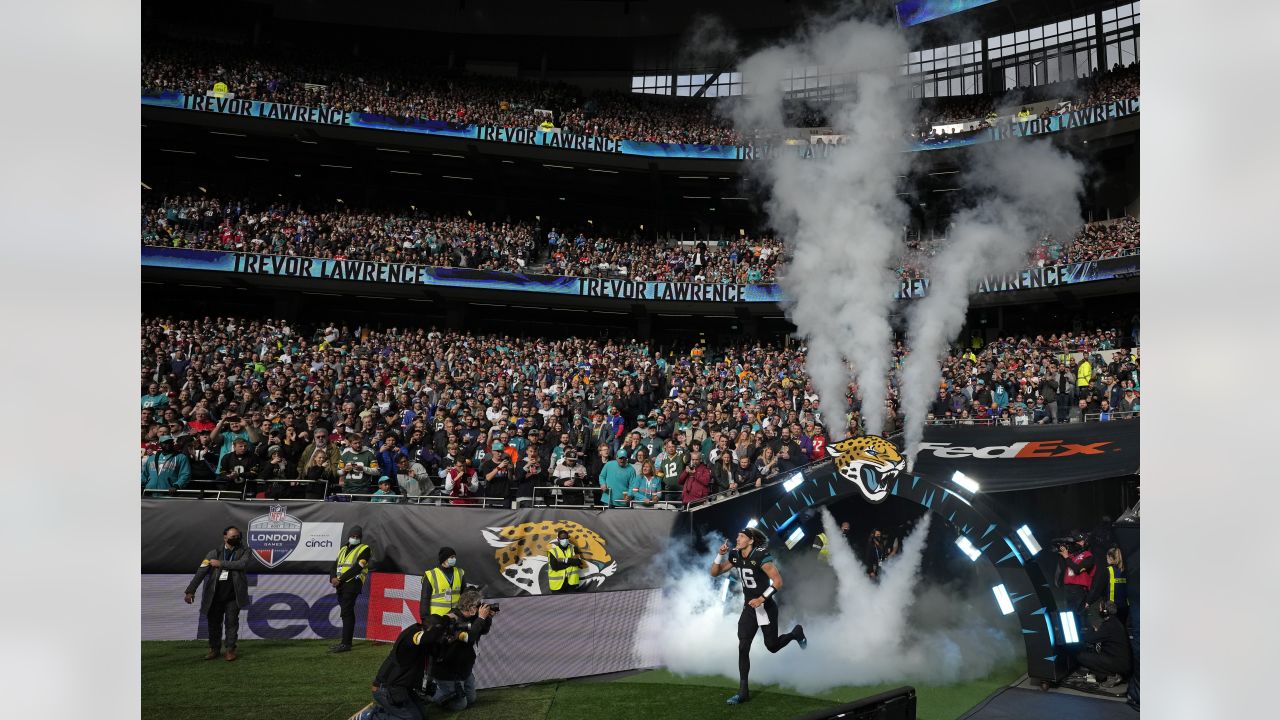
column 751, row 576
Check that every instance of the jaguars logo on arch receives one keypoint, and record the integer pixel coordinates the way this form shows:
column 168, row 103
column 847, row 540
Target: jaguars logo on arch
column 521, row 553
column 869, row 462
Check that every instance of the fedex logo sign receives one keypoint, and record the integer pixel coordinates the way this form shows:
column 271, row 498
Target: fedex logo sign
column 288, row 607
column 1018, row 450
column 393, row 604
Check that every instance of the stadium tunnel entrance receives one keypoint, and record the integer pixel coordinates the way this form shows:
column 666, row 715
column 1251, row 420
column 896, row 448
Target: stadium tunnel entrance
column 783, row 509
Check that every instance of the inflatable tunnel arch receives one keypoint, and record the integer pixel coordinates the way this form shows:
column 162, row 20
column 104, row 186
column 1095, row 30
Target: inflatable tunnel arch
column 959, row 502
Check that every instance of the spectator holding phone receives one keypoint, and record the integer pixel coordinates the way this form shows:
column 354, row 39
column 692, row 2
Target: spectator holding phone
column 240, row 467
column 230, row 428
column 358, row 466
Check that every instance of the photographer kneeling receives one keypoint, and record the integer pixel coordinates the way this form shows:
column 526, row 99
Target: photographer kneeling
column 452, row 664
column 401, row 673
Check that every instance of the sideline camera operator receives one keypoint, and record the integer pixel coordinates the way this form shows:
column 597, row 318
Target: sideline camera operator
column 1106, row 651
column 452, row 664
column 401, row 673
column 1078, row 575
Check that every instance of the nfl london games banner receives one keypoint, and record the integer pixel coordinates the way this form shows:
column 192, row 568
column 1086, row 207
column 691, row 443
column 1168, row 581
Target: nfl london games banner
column 410, row 274
column 1034, row 456
column 503, row 551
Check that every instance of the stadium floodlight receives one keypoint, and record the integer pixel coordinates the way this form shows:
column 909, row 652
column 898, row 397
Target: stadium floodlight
column 1069, row 634
column 966, row 482
column 795, row 537
column 1024, row 532
column 794, row 482
column 963, row 543
column 752, row 522
column 1002, row 597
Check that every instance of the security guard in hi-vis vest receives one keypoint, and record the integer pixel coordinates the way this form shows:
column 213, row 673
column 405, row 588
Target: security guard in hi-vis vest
column 562, row 565
column 441, row 585
column 350, row 571
column 824, row 546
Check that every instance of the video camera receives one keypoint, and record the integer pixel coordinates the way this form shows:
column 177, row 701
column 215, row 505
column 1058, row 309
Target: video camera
column 1063, row 542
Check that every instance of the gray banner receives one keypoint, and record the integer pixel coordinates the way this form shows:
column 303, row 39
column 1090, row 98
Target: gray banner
column 502, row 550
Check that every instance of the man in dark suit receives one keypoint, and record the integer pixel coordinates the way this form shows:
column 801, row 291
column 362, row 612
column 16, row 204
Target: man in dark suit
column 225, row 590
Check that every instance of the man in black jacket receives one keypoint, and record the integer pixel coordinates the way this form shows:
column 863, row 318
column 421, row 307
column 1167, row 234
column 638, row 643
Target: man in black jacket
column 400, row 675
column 451, row 668
column 225, row 590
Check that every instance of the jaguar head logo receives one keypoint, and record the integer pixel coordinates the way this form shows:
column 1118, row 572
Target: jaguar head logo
column 521, row 552
column 869, row 462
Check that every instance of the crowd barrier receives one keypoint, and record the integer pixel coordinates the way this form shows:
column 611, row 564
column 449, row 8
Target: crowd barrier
column 564, row 140
column 409, row 274
column 532, row 639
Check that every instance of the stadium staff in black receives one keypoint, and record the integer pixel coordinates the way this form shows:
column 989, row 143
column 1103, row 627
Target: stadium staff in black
column 760, row 581
column 401, row 673
column 350, row 571
column 878, row 550
column 1106, row 650
column 225, row 591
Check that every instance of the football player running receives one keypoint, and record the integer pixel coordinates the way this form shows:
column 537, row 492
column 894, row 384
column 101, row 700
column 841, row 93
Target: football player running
column 759, row 579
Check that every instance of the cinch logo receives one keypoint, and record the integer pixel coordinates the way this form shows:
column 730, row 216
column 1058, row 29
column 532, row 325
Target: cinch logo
column 522, row 552
column 1019, row 450
column 319, row 543
column 274, row 536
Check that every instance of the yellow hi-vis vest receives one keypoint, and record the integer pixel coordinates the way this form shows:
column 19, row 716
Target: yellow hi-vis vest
column 347, row 557
column 556, row 578
column 444, row 596
column 1112, row 581
column 823, row 549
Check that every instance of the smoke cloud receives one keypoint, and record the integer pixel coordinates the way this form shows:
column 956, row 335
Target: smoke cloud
column 840, row 214
column 860, row 632
column 1024, row 189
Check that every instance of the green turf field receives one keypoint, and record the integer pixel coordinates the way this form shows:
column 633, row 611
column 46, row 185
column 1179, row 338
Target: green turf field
column 298, row 680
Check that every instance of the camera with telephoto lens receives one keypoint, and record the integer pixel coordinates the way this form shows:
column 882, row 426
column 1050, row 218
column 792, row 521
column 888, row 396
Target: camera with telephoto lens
column 493, row 608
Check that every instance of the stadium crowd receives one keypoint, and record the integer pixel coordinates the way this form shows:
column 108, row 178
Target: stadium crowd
column 208, row 223
column 415, row 95
column 1094, row 241
column 1108, row 86
column 254, row 405
column 408, row 94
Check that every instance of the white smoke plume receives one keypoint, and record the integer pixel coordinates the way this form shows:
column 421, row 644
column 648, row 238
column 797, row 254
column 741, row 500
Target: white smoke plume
column 1024, row 189
column 840, row 214
column 860, row 633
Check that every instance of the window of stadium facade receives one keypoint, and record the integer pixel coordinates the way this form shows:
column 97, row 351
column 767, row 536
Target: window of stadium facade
column 1055, row 52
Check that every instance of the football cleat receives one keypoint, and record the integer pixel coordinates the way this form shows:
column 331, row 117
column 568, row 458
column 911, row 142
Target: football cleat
column 736, row 700
column 801, row 640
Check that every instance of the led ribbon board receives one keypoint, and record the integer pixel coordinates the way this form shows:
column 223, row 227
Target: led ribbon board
column 915, row 12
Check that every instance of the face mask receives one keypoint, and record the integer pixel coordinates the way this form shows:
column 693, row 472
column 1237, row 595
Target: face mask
column 353, row 541
column 451, row 562
column 234, row 541
column 564, row 542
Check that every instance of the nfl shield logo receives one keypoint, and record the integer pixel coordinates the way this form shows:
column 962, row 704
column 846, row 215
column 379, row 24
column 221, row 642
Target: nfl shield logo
column 274, row 536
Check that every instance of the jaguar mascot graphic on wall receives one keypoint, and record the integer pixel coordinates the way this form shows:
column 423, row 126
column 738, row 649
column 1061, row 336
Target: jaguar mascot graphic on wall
column 869, row 462
column 521, row 553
